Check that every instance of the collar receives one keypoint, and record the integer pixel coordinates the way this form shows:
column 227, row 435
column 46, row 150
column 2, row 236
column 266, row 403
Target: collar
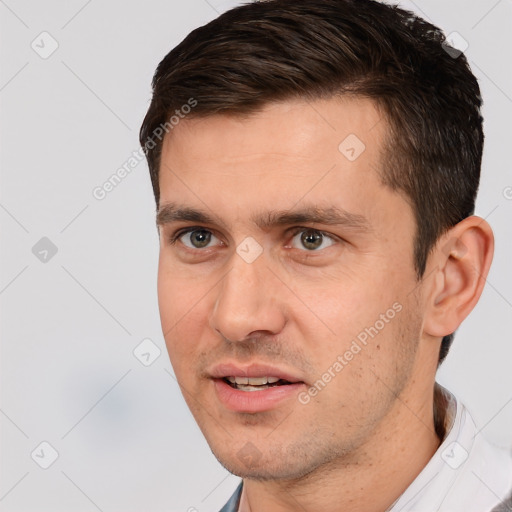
column 465, row 473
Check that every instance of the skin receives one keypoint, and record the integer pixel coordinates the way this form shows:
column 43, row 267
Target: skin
column 360, row 442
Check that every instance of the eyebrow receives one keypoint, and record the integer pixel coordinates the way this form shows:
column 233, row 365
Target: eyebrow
column 308, row 214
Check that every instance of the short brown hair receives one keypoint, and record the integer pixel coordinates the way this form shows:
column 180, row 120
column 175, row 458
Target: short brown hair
column 283, row 49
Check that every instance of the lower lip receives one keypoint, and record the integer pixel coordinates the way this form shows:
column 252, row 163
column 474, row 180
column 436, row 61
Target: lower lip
column 255, row 401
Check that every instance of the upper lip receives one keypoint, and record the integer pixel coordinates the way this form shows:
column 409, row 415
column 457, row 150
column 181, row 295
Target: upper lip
column 223, row 370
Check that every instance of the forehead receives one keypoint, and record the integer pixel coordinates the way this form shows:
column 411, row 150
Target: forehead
column 295, row 129
column 324, row 152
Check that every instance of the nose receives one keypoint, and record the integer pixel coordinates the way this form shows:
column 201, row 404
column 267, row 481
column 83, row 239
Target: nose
column 247, row 302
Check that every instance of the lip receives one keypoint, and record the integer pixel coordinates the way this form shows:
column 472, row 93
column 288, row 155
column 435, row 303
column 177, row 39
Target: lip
column 254, row 401
column 223, row 370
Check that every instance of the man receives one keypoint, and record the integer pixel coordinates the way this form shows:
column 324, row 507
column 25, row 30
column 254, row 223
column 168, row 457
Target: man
column 315, row 166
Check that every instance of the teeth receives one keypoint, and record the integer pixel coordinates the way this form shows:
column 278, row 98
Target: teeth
column 250, row 388
column 253, row 381
column 238, row 380
column 256, row 381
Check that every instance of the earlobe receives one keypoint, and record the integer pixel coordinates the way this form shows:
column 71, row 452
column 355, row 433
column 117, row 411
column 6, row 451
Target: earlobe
column 460, row 262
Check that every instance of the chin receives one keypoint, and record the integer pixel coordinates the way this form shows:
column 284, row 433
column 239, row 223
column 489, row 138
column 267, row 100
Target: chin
column 261, row 474
column 250, row 463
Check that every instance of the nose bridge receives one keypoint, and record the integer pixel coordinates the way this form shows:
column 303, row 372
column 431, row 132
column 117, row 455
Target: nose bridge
column 245, row 303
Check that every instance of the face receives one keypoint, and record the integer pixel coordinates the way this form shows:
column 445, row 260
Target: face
column 285, row 283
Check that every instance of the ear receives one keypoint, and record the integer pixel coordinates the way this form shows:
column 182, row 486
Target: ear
column 460, row 264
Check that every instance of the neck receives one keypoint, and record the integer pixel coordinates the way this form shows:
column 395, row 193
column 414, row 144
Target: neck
column 373, row 478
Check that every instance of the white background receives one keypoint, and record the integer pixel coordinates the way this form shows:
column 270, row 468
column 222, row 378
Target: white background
column 125, row 439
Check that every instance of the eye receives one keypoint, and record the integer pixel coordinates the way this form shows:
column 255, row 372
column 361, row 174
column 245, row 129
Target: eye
column 195, row 238
column 311, row 239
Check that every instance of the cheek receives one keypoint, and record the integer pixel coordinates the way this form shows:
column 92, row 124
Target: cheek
column 363, row 374
column 178, row 294
column 357, row 322
column 339, row 310
column 182, row 315
column 169, row 305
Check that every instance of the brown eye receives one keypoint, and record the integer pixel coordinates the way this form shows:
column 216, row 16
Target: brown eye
column 197, row 239
column 312, row 240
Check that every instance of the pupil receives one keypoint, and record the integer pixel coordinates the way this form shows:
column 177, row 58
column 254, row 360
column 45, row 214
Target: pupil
column 201, row 238
column 311, row 239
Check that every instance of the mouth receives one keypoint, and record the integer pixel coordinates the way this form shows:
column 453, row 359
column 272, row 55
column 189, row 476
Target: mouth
column 256, row 387
column 254, row 383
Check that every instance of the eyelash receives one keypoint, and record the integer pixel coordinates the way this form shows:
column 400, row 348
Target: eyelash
column 178, row 234
column 294, row 231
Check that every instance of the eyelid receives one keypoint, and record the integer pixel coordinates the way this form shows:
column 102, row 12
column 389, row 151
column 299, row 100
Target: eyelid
column 295, row 231
column 190, row 229
column 300, row 229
